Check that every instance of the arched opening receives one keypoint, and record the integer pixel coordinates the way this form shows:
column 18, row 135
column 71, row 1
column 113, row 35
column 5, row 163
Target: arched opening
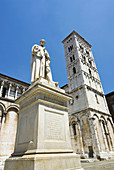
column 74, row 128
column 74, row 70
column 89, row 71
column 70, row 59
column 90, row 62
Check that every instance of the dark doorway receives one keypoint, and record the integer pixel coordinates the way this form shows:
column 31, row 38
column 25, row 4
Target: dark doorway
column 90, row 151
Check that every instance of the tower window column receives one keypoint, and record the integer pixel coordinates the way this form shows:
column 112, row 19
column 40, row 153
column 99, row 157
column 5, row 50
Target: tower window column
column 9, row 89
column 1, row 89
column 16, row 93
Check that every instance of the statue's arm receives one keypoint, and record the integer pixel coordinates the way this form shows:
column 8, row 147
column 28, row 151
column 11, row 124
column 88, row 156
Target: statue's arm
column 47, row 55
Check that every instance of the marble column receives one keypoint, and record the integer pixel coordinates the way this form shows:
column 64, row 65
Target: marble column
column 81, row 142
column 17, row 88
column 1, row 89
column 23, row 90
column 9, row 89
column 94, row 135
column 103, row 134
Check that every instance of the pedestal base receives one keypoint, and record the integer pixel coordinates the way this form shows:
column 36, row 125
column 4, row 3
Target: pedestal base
column 44, row 162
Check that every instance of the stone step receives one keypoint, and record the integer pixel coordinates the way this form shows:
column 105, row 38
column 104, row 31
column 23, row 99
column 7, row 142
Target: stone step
column 89, row 160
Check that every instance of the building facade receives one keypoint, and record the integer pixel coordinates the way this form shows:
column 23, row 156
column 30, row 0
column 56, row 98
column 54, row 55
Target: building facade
column 91, row 125
column 110, row 102
column 90, row 121
column 10, row 89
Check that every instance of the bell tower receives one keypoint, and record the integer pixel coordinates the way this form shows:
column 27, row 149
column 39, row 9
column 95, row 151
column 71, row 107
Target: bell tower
column 83, row 78
column 88, row 108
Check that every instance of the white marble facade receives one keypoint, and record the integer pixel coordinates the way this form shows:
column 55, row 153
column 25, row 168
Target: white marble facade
column 90, row 121
column 10, row 89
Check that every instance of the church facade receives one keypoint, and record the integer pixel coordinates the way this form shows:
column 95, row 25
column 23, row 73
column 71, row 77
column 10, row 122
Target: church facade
column 91, row 124
column 10, row 89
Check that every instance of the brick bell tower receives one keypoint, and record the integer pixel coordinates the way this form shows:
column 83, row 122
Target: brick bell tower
column 88, row 106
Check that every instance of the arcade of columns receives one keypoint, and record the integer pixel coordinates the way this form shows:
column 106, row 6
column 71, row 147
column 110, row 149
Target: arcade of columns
column 96, row 132
column 9, row 91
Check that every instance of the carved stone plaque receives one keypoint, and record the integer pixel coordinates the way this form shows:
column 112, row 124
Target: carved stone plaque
column 54, row 126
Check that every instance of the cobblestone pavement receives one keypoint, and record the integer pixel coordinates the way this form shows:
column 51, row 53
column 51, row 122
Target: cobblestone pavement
column 100, row 165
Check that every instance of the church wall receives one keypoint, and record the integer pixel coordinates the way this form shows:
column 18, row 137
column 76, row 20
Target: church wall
column 86, row 134
column 96, row 101
column 8, row 133
column 79, row 101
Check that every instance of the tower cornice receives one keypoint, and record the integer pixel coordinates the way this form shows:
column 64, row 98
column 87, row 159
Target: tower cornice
column 74, row 32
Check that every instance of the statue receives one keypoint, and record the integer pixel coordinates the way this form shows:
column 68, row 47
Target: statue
column 40, row 63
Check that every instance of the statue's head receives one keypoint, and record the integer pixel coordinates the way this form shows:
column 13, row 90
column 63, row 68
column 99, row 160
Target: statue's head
column 42, row 42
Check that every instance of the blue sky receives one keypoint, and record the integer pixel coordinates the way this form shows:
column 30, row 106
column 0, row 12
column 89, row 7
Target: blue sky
column 24, row 22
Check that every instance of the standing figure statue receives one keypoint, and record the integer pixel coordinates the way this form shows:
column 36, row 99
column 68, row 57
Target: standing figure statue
column 40, row 63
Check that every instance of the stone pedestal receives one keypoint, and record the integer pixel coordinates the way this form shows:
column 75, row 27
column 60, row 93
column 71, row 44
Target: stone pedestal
column 43, row 139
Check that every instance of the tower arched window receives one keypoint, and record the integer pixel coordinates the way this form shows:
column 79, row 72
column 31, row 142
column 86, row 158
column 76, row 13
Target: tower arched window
column 87, row 52
column 74, row 70
column 83, row 57
column 81, row 49
column 90, row 62
column 73, row 57
column 89, row 71
column 70, row 59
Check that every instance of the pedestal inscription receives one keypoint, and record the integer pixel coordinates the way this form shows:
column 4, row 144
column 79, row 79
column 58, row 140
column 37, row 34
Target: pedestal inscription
column 54, row 126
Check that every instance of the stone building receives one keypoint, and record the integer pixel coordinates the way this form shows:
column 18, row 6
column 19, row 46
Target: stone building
column 110, row 102
column 10, row 89
column 91, row 124
column 90, row 121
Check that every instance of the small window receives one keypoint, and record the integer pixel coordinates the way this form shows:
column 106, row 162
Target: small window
column 96, row 98
column 74, row 129
column 81, row 49
column 89, row 71
column 69, row 49
column 113, row 107
column 12, row 91
column 73, row 57
column 70, row 59
column 83, row 57
column 90, row 62
column 19, row 92
column 74, row 70
column 87, row 52
column 4, row 92
column 77, row 97
column 112, row 97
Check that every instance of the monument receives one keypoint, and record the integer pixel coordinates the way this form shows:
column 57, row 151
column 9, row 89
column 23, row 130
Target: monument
column 43, row 139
